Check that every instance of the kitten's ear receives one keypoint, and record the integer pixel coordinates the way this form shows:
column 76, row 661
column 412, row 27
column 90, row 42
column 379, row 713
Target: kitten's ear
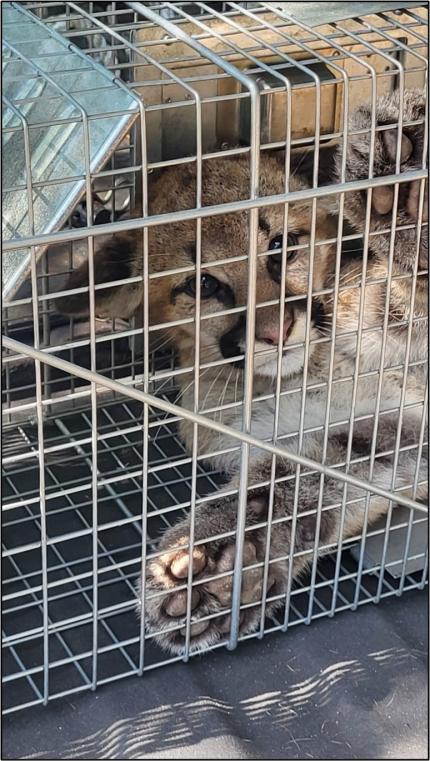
column 117, row 259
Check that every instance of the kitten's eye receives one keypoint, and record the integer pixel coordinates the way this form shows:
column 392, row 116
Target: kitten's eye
column 292, row 240
column 276, row 243
column 208, row 286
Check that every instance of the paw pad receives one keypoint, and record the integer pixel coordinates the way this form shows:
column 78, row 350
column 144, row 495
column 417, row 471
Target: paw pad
column 211, row 597
column 180, row 564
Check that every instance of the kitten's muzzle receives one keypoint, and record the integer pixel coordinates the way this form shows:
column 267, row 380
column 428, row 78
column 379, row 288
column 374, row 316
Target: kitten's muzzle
column 267, row 327
column 269, row 333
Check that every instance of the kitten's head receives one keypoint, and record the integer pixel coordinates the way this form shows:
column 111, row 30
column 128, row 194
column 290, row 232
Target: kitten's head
column 223, row 282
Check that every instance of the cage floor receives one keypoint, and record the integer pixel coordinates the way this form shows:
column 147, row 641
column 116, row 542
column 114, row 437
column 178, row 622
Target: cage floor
column 70, row 569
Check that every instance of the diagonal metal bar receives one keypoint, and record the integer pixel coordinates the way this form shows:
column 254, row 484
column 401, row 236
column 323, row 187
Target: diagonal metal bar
column 153, row 401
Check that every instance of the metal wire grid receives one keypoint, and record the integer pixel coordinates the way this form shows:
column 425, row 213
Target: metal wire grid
column 119, row 543
column 92, row 451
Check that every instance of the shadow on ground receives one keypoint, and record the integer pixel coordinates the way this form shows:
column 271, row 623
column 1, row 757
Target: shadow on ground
column 351, row 687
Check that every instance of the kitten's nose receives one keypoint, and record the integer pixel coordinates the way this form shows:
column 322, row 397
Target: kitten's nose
column 270, row 333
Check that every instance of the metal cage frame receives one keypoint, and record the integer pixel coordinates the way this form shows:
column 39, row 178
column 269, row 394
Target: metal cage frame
column 92, row 414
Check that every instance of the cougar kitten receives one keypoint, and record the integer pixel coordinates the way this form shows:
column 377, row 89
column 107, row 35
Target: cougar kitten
column 306, row 328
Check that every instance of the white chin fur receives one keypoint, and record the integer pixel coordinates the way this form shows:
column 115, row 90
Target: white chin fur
column 266, row 362
column 292, row 362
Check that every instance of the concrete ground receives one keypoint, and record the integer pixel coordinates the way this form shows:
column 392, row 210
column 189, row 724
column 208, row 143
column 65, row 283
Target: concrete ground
column 350, row 687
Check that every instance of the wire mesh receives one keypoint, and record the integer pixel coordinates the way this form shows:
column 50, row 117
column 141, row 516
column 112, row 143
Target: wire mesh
column 123, row 415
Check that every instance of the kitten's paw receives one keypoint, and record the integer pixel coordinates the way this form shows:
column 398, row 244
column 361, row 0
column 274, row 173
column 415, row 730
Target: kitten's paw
column 212, row 563
column 411, row 145
column 212, row 578
column 386, row 150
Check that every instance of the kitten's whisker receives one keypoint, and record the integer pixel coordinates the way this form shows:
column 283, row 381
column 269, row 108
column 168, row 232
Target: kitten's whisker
column 220, row 371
